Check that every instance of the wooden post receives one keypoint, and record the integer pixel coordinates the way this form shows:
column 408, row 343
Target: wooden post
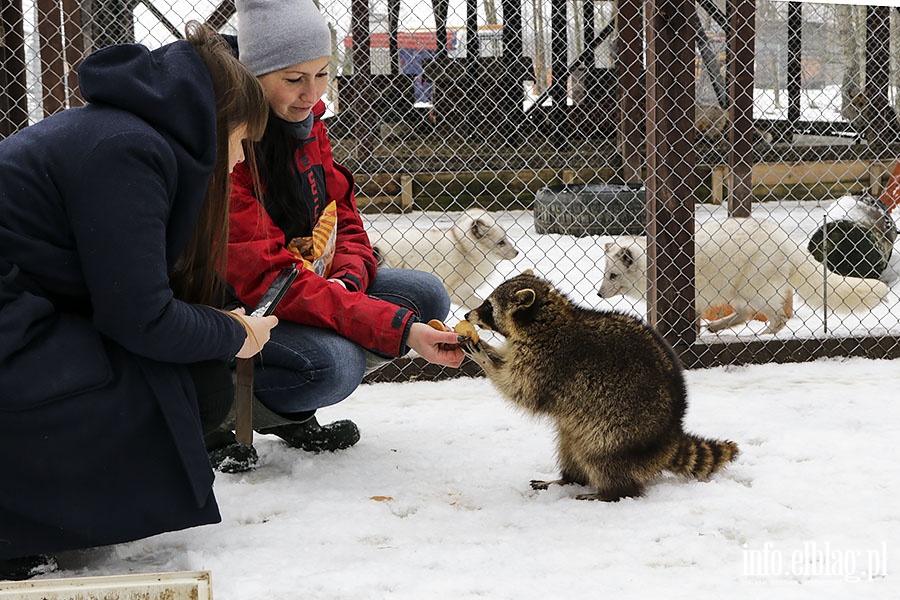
column 510, row 102
column 630, row 72
column 560, row 72
column 794, row 67
column 406, row 192
column 13, row 96
column 75, row 47
column 473, row 44
column 53, row 65
column 671, row 178
column 365, row 128
column 881, row 124
column 243, row 402
column 740, row 135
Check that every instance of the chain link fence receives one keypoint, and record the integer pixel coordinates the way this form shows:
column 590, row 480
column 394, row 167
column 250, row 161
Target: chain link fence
column 491, row 137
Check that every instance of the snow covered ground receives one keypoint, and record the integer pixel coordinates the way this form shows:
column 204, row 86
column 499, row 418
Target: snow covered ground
column 434, row 501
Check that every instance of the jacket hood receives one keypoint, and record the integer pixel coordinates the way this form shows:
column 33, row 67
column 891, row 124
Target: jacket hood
column 169, row 88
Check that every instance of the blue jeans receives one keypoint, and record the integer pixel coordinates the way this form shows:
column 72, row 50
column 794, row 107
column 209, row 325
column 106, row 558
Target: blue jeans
column 303, row 368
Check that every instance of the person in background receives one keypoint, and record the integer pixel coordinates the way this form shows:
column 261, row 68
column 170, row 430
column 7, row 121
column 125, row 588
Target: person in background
column 113, row 359
column 343, row 316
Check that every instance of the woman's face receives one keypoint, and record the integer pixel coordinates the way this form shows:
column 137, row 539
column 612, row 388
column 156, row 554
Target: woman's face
column 235, row 146
column 294, row 90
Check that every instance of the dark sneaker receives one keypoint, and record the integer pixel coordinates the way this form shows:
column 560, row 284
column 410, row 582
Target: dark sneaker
column 312, row 437
column 17, row 569
column 234, row 458
column 227, row 455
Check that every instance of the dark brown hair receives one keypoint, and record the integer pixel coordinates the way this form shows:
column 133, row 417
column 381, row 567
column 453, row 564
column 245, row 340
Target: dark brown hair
column 278, row 172
column 200, row 273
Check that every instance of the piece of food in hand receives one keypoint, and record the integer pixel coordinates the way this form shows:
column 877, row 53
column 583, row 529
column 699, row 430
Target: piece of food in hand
column 466, row 329
column 437, row 324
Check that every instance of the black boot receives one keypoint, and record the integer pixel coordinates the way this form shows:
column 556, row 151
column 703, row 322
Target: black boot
column 312, row 437
column 16, row 569
column 227, row 455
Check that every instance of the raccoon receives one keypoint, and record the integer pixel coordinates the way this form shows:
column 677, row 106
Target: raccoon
column 613, row 386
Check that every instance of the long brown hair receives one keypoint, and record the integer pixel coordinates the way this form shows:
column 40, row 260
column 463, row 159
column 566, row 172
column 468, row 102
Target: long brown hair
column 199, row 275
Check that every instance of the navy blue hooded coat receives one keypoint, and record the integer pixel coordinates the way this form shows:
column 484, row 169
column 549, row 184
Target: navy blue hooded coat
column 100, row 437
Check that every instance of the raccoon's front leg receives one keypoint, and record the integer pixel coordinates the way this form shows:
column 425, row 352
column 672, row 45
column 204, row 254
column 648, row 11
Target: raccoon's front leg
column 570, row 474
column 482, row 353
column 537, row 484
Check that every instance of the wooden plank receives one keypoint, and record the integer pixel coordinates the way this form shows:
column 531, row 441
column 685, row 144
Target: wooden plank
column 184, row 585
column 768, row 175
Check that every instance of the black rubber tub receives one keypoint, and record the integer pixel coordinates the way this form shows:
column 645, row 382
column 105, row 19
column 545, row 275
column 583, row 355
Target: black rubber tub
column 591, row 209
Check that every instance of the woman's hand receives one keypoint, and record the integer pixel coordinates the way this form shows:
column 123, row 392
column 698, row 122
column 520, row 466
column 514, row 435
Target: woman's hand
column 258, row 331
column 439, row 347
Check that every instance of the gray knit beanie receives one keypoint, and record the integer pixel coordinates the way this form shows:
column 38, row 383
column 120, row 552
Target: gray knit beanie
column 274, row 34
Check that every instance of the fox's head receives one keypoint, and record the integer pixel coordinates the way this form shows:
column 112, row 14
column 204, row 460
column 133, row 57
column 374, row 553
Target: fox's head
column 515, row 305
column 625, row 272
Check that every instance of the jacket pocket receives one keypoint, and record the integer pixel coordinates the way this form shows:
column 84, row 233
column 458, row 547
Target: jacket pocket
column 53, row 355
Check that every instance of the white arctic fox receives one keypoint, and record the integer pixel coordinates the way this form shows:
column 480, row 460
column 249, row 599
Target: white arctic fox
column 462, row 256
column 749, row 265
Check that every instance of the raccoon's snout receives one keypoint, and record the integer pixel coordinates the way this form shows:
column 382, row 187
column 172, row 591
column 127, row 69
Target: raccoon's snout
column 482, row 316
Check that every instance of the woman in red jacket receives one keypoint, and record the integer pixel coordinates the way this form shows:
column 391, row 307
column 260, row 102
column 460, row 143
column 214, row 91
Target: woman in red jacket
column 342, row 316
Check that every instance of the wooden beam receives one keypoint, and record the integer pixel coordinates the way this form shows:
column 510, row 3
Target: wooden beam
column 671, row 161
column 765, row 176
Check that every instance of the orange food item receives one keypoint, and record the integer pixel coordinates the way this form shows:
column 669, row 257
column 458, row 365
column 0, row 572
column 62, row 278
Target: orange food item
column 720, row 311
column 439, row 325
column 466, row 329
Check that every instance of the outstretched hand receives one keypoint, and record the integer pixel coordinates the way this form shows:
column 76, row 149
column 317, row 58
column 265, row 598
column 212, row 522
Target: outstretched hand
column 439, row 347
column 258, row 331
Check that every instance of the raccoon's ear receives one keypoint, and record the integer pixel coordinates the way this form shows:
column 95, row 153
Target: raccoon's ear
column 525, row 298
column 528, row 272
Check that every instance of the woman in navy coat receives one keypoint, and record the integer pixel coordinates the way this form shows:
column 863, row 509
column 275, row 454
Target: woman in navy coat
column 113, row 220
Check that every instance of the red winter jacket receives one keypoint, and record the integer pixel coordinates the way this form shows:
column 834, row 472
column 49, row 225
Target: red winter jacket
column 256, row 252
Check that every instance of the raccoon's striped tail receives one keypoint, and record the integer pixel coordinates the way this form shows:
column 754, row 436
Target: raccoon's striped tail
column 700, row 457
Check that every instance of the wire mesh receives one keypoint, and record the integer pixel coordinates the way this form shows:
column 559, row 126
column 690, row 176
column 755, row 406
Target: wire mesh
column 575, row 128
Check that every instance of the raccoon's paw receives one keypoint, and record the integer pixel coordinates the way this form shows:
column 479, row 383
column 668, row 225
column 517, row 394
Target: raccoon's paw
column 537, row 484
column 476, row 351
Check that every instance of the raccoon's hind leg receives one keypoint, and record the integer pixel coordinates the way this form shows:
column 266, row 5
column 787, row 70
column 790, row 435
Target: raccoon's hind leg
column 613, row 482
column 631, row 489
